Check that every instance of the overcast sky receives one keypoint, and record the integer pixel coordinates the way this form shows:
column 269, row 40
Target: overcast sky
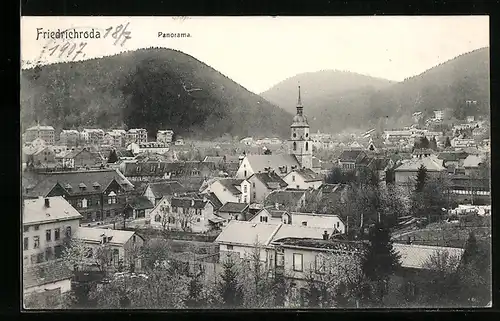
column 258, row 52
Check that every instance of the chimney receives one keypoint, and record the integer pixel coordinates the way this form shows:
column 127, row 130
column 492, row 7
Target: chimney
column 325, row 236
column 47, row 202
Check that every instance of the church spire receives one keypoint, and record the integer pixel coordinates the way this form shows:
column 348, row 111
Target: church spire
column 299, row 104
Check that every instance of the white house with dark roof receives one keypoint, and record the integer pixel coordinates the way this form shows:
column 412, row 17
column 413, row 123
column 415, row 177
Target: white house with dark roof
column 262, row 184
column 406, row 173
column 290, row 199
column 234, row 211
column 268, row 215
column 47, row 221
column 121, row 244
column 229, row 190
column 282, row 164
column 303, row 178
column 157, row 190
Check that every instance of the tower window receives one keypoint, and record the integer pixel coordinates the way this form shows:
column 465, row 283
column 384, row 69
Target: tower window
column 294, row 146
column 294, row 135
column 307, row 146
column 307, row 134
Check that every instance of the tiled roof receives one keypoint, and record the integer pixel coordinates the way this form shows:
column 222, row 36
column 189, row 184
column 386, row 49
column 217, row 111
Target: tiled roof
column 452, row 156
column 350, row 155
column 309, row 175
column 247, row 233
column 91, row 234
column 271, row 180
column 232, row 207
column 276, row 213
column 165, row 188
column 140, row 203
column 75, row 178
column 338, row 245
column 232, row 184
column 215, row 200
column 45, row 273
column 298, row 231
column 416, row 256
column 473, row 161
column 59, row 209
column 430, row 163
column 275, row 161
column 285, row 198
column 188, row 202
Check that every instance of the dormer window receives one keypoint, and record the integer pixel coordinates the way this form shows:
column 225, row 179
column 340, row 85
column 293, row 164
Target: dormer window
column 82, row 186
column 96, row 185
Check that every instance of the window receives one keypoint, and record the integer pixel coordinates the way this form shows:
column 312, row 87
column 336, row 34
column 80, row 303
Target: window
column 157, row 218
column 25, row 244
column 89, row 202
column 293, row 178
column 36, row 242
column 319, row 264
column 229, row 247
column 280, row 259
column 294, row 146
column 39, row 258
column 98, row 215
column 108, row 213
column 109, row 200
column 298, row 186
column 244, row 174
column 263, row 219
column 198, row 219
column 68, row 231
column 245, row 199
column 79, row 203
column 304, row 223
column 174, row 209
column 57, row 234
column 294, row 135
column 48, row 235
column 245, row 189
column 254, row 194
column 26, row 228
column 297, row 262
column 37, row 227
column 338, row 224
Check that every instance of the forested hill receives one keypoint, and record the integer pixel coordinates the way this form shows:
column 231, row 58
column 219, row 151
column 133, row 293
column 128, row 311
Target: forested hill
column 374, row 103
column 148, row 88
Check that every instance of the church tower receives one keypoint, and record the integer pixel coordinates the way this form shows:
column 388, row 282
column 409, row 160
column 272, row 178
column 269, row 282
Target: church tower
column 300, row 143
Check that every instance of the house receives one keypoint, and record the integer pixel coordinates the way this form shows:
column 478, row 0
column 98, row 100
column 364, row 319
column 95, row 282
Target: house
column 422, row 152
column 292, row 200
column 233, row 211
column 39, row 156
column 262, row 184
column 114, row 138
column 184, row 213
column 69, row 137
column 406, row 173
column 165, row 136
column 324, row 198
column 350, row 159
column 138, row 207
column 303, row 178
column 438, row 114
column 93, row 136
column 47, row 133
column 463, row 142
column 121, row 245
column 471, row 164
column 153, row 147
column 96, row 194
column 233, row 190
column 282, row 164
column 314, row 220
column 470, row 190
column 154, row 192
column 268, row 215
column 455, row 158
column 47, row 221
column 81, row 157
column 45, row 283
column 136, row 135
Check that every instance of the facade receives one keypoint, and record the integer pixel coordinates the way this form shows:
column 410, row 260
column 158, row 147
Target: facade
column 262, row 184
column 69, row 137
column 46, row 133
column 136, row 135
column 81, row 157
column 439, row 114
column 97, row 194
column 303, row 179
column 234, row 211
column 406, row 173
column 300, row 144
column 153, row 147
column 93, row 136
column 350, row 159
column 39, row 157
column 280, row 164
column 47, row 222
column 463, row 142
column 329, row 221
column 268, row 215
column 138, row 207
column 154, row 192
column 229, row 190
column 165, row 136
column 120, row 245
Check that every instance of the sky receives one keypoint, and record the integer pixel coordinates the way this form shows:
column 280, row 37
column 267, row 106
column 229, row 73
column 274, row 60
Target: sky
column 259, row 52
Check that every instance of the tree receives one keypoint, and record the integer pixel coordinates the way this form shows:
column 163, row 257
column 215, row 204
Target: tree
column 433, row 143
column 421, row 178
column 195, row 297
column 447, row 142
column 229, row 288
column 380, row 260
column 113, row 157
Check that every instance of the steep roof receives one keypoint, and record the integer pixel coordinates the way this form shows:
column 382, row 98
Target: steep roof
column 188, row 202
column 91, row 234
column 275, row 161
column 74, row 178
column 165, row 188
column 59, row 209
column 350, row 155
column 215, row 200
column 271, row 180
column 140, row 203
column 473, row 161
column 45, row 273
column 285, row 198
column 452, row 156
column 309, row 175
column 232, row 207
column 430, row 163
column 231, row 184
column 416, row 256
column 247, row 233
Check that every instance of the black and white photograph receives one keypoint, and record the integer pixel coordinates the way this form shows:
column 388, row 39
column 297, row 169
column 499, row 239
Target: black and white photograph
column 321, row 162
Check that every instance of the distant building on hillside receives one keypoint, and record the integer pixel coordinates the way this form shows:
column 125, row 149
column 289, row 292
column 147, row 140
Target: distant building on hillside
column 136, row 135
column 165, row 136
column 46, row 133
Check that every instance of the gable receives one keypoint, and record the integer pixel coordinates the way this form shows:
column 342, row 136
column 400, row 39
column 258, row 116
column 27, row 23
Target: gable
column 57, row 190
column 113, row 186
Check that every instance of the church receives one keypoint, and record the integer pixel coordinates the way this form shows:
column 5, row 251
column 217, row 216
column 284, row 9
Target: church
column 300, row 154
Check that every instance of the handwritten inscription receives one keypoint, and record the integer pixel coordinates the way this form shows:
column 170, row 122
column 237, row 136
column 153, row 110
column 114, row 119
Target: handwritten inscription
column 72, row 43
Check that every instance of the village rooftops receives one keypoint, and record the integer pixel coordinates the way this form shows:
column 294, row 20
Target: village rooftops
column 214, row 199
column 271, row 180
column 350, row 155
column 36, row 211
column 247, row 233
column 331, row 188
column 432, row 164
column 322, row 245
column 140, row 203
column 45, row 273
column 308, row 175
column 96, row 235
column 416, row 256
column 260, row 163
column 232, row 184
column 188, row 202
column 232, row 207
column 286, row 198
column 165, row 188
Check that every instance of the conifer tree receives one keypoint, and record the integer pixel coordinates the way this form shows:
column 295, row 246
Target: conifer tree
column 194, row 298
column 447, row 143
column 113, row 157
column 421, row 178
column 229, row 287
